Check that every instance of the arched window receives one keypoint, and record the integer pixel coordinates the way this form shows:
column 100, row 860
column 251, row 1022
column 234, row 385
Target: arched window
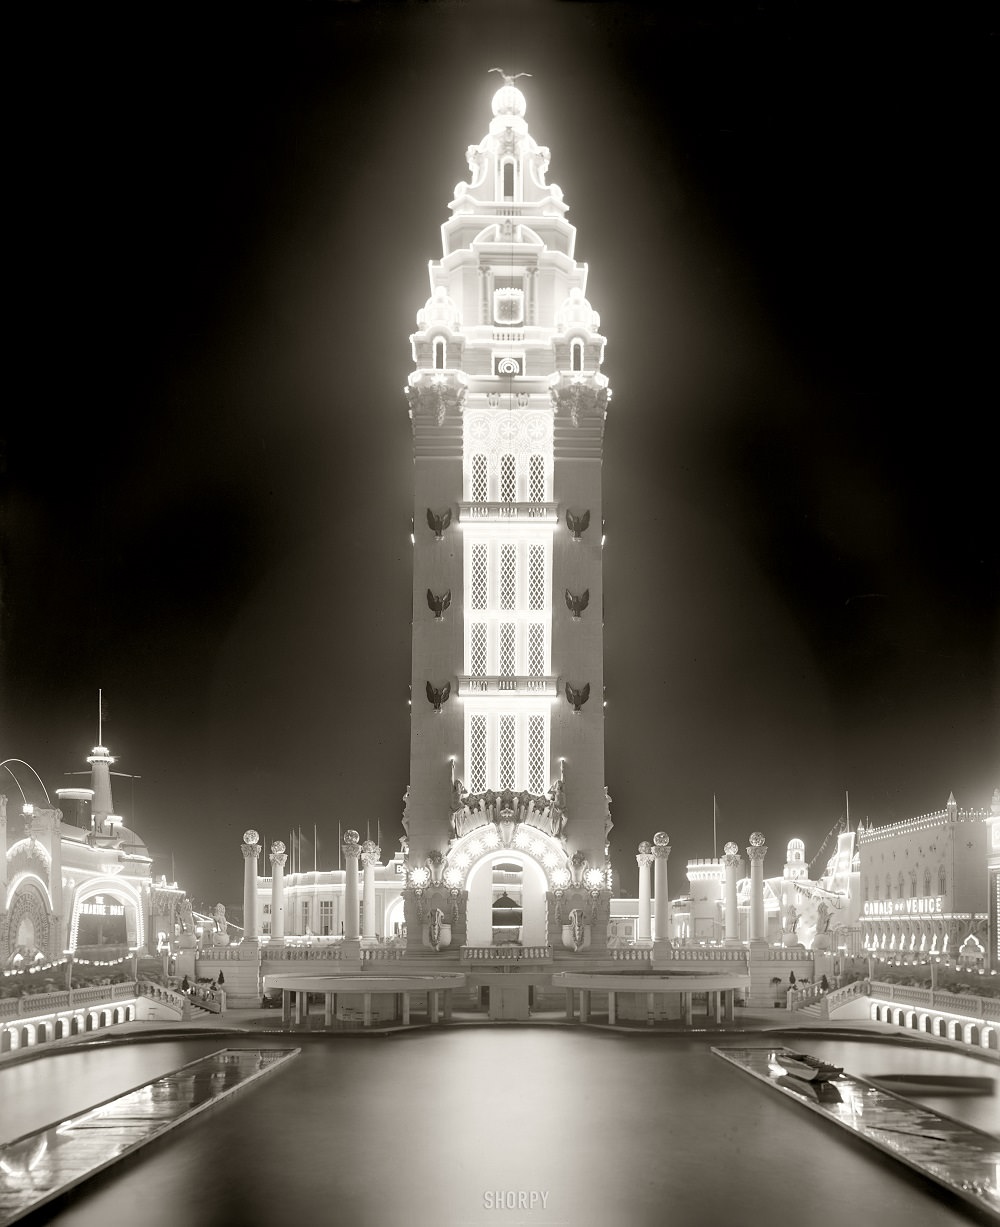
column 576, row 355
column 536, row 479
column 877, row 890
column 888, row 887
column 901, row 886
column 440, row 353
column 927, row 881
column 942, row 881
column 508, row 180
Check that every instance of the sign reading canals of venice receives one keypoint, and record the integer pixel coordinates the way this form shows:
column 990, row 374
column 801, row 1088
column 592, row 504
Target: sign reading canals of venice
column 926, row 906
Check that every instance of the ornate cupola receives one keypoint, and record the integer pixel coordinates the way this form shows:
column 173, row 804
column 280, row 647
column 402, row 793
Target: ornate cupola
column 507, row 403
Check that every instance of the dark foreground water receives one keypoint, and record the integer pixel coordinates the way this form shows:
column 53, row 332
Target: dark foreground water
column 440, row 1128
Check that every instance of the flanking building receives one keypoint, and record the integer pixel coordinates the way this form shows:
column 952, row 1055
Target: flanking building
column 923, row 889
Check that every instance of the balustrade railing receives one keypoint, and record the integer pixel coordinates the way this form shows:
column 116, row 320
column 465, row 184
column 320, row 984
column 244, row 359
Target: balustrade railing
column 303, row 954
column 702, row 954
column 629, row 954
column 377, row 954
column 937, row 999
column 31, row 1005
column 506, row 954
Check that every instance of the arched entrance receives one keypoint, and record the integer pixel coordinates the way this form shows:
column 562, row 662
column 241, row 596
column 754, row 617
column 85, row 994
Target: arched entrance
column 507, row 902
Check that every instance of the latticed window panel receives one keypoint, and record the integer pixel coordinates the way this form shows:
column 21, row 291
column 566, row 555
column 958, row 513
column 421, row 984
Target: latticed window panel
column 536, row 577
column 480, row 577
column 508, row 649
column 536, row 754
column 508, row 577
column 480, row 479
column 536, row 479
column 507, row 775
column 477, row 754
column 508, row 478
column 477, row 649
column 536, row 649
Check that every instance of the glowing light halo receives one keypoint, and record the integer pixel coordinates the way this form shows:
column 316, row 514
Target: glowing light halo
column 24, row 876
column 107, row 886
column 546, row 851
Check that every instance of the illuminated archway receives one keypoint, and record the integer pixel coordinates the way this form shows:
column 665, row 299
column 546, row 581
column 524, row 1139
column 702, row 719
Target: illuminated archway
column 119, row 892
column 530, row 892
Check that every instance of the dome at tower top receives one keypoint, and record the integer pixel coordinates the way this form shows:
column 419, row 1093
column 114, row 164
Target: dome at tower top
column 508, row 100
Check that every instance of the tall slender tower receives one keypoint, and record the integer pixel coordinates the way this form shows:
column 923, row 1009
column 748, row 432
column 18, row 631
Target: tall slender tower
column 507, row 795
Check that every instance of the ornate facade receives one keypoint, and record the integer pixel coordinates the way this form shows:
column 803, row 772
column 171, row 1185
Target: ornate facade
column 507, row 401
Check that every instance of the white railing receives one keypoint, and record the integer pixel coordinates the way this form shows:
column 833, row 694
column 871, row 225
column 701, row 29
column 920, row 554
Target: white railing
column 516, row 684
column 837, row 997
column 303, row 954
column 32, row 1004
column 706, row 954
column 629, row 954
column 375, row 954
column 534, row 513
column 937, row 999
column 506, row 954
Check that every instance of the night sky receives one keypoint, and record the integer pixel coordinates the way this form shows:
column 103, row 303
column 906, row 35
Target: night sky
column 222, row 222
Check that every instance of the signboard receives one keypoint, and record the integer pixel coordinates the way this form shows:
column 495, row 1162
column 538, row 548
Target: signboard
column 99, row 908
column 927, row 905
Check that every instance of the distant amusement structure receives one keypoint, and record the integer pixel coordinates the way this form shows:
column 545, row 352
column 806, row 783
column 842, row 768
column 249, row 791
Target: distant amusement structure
column 508, row 405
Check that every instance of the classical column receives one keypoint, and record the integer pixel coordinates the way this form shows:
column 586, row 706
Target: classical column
column 371, row 855
column 732, row 863
column 756, row 853
column 351, row 850
column 643, row 858
column 661, row 854
column 251, row 850
column 278, row 858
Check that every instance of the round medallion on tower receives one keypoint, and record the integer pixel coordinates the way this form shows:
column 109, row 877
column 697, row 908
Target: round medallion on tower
column 661, row 839
column 277, row 847
column 251, row 837
column 756, row 840
column 352, row 837
column 731, row 849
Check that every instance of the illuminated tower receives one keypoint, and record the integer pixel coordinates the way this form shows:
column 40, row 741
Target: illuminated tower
column 508, row 403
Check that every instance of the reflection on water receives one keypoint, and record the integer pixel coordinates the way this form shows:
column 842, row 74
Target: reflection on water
column 439, row 1128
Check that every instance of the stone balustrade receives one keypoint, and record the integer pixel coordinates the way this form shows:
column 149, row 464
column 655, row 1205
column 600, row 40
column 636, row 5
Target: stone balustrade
column 159, row 992
column 378, row 954
column 506, row 954
column 702, row 954
column 837, row 997
column 631, row 954
column 937, row 999
column 31, row 1004
column 303, row 954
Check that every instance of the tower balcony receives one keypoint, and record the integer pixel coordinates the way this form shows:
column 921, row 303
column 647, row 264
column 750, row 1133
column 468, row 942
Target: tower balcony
column 507, row 686
column 508, row 513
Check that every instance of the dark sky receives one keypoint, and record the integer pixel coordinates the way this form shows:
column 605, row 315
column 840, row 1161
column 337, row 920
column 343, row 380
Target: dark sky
column 222, row 221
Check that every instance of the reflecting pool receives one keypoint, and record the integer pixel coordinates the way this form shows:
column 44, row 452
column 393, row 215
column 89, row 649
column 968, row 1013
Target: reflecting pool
column 462, row 1126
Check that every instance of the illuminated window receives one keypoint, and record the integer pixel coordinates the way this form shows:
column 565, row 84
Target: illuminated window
column 440, row 353
column 477, row 649
column 536, row 754
column 536, row 577
column 508, row 180
column 480, row 577
column 477, row 754
column 508, row 478
column 536, row 479
column 576, row 355
column 480, row 480
column 508, row 577
column 536, row 649
column 508, row 752
column 942, row 881
column 508, row 649
column 326, row 917
column 305, row 915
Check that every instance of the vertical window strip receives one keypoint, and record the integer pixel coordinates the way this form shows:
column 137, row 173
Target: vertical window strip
column 480, row 479
column 477, row 754
column 536, row 649
column 508, row 577
column 477, row 649
column 508, row 649
column 536, row 479
column 508, row 478
column 481, row 576
column 508, row 752
column 536, row 577
column 536, row 754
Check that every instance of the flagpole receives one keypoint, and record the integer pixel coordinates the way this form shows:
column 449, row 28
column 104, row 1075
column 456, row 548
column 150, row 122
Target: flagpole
column 847, row 803
column 314, row 847
column 715, row 842
column 338, row 845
